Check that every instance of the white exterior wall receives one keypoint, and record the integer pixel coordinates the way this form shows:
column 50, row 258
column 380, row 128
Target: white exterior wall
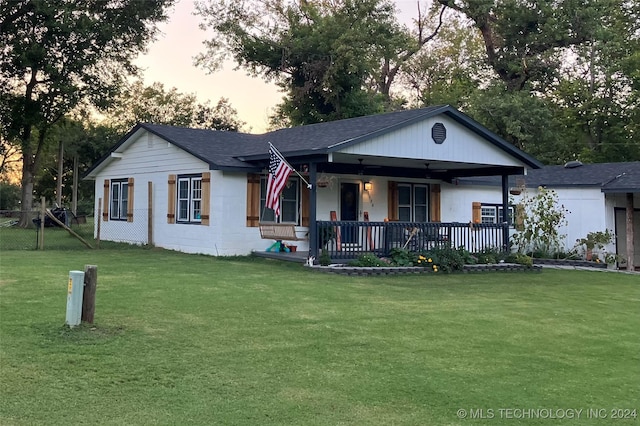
column 588, row 211
column 152, row 159
column 415, row 142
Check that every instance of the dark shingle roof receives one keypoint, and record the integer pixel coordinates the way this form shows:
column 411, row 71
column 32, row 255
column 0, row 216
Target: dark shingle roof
column 610, row 177
column 224, row 150
column 218, row 148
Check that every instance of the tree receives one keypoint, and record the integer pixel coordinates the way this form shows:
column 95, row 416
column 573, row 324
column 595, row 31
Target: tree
column 58, row 55
column 334, row 59
column 154, row 104
column 566, row 87
column 597, row 97
column 523, row 39
column 449, row 70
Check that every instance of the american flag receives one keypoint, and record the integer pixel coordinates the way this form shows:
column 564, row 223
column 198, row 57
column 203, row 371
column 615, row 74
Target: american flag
column 279, row 172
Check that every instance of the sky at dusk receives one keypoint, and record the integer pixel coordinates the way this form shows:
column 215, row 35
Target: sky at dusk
column 169, row 60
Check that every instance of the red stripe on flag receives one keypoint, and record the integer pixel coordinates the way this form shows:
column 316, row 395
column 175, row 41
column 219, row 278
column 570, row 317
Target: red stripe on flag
column 279, row 172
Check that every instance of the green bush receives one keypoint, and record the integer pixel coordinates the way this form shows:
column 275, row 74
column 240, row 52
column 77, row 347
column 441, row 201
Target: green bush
column 523, row 259
column 449, row 259
column 403, row 257
column 325, row 259
column 489, row 256
column 367, row 260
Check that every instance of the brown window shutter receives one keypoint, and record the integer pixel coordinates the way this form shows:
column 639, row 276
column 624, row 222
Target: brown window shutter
column 105, row 200
column 253, row 200
column 206, row 198
column 520, row 213
column 434, row 203
column 130, row 200
column 304, row 205
column 476, row 212
column 392, row 201
column 171, row 197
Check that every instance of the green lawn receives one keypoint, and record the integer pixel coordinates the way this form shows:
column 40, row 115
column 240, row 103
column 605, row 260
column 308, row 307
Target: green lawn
column 185, row 339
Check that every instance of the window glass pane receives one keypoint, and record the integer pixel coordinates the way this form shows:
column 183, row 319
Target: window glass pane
column 420, row 195
column 183, row 210
column 196, row 210
column 115, row 200
column 183, row 189
column 288, row 211
column 404, row 214
column 420, row 204
column 124, row 193
column 488, row 214
column 196, row 191
column 404, row 195
column 289, row 202
column 421, row 214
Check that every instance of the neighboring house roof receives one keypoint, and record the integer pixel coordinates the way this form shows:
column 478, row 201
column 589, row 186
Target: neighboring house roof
column 232, row 150
column 609, row 177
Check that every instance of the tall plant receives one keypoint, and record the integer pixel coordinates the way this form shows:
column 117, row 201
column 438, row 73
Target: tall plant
column 541, row 217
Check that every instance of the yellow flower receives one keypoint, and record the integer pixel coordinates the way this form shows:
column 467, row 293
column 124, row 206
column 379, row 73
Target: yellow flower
column 429, row 260
column 419, row 261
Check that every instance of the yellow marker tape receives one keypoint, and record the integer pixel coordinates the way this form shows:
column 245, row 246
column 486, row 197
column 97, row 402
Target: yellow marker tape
column 70, row 286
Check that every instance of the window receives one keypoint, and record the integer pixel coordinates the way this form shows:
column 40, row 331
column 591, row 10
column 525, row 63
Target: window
column 289, row 202
column 189, row 208
column 119, row 199
column 413, row 204
column 492, row 213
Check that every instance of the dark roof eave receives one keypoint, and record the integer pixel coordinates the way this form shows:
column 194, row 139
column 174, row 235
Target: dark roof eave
column 621, row 190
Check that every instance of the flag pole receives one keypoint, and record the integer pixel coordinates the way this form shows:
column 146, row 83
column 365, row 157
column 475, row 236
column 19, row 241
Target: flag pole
column 287, row 163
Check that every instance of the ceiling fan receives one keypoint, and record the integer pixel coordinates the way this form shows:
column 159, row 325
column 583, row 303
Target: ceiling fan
column 363, row 167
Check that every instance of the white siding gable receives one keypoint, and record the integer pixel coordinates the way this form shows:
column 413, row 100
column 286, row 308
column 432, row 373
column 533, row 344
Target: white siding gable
column 415, row 142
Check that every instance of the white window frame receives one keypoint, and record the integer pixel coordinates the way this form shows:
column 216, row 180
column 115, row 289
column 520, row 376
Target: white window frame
column 492, row 213
column 268, row 215
column 192, row 200
column 412, row 206
column 119, row 203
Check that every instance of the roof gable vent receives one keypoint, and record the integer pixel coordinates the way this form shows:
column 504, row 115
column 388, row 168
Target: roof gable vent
column 573, row 164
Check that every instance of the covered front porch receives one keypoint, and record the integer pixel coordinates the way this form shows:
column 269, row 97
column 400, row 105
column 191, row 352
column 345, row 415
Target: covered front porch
column 391, row 181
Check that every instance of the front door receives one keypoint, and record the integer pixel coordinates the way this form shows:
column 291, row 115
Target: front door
column 349, row 196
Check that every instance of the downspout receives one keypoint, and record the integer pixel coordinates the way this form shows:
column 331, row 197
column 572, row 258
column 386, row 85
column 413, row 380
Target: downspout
column 506, row 245
column 313, row 228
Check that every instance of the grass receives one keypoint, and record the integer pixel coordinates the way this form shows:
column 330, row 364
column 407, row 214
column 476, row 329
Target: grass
column 185, row 339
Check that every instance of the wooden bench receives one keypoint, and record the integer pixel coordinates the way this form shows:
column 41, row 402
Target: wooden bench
column 279, row 232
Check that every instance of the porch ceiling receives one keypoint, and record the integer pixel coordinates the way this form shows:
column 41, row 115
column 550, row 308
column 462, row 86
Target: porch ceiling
column 414, row 168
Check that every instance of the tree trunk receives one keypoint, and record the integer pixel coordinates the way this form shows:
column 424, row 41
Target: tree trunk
column 630, row 233
column 26, row 203
column 60, row 174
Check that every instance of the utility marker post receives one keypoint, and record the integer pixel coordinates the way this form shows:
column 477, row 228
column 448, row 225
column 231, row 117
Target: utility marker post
column 74, row 297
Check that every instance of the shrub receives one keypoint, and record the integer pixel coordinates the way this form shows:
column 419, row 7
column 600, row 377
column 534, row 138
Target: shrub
column 367, row 260
column 541, row 218
column 449, row 259
column 489, row 256
column 325, row 259
column 523, row 259
column 403, row 257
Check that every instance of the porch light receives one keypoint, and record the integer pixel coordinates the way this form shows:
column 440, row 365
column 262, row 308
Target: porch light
column 368, row 186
